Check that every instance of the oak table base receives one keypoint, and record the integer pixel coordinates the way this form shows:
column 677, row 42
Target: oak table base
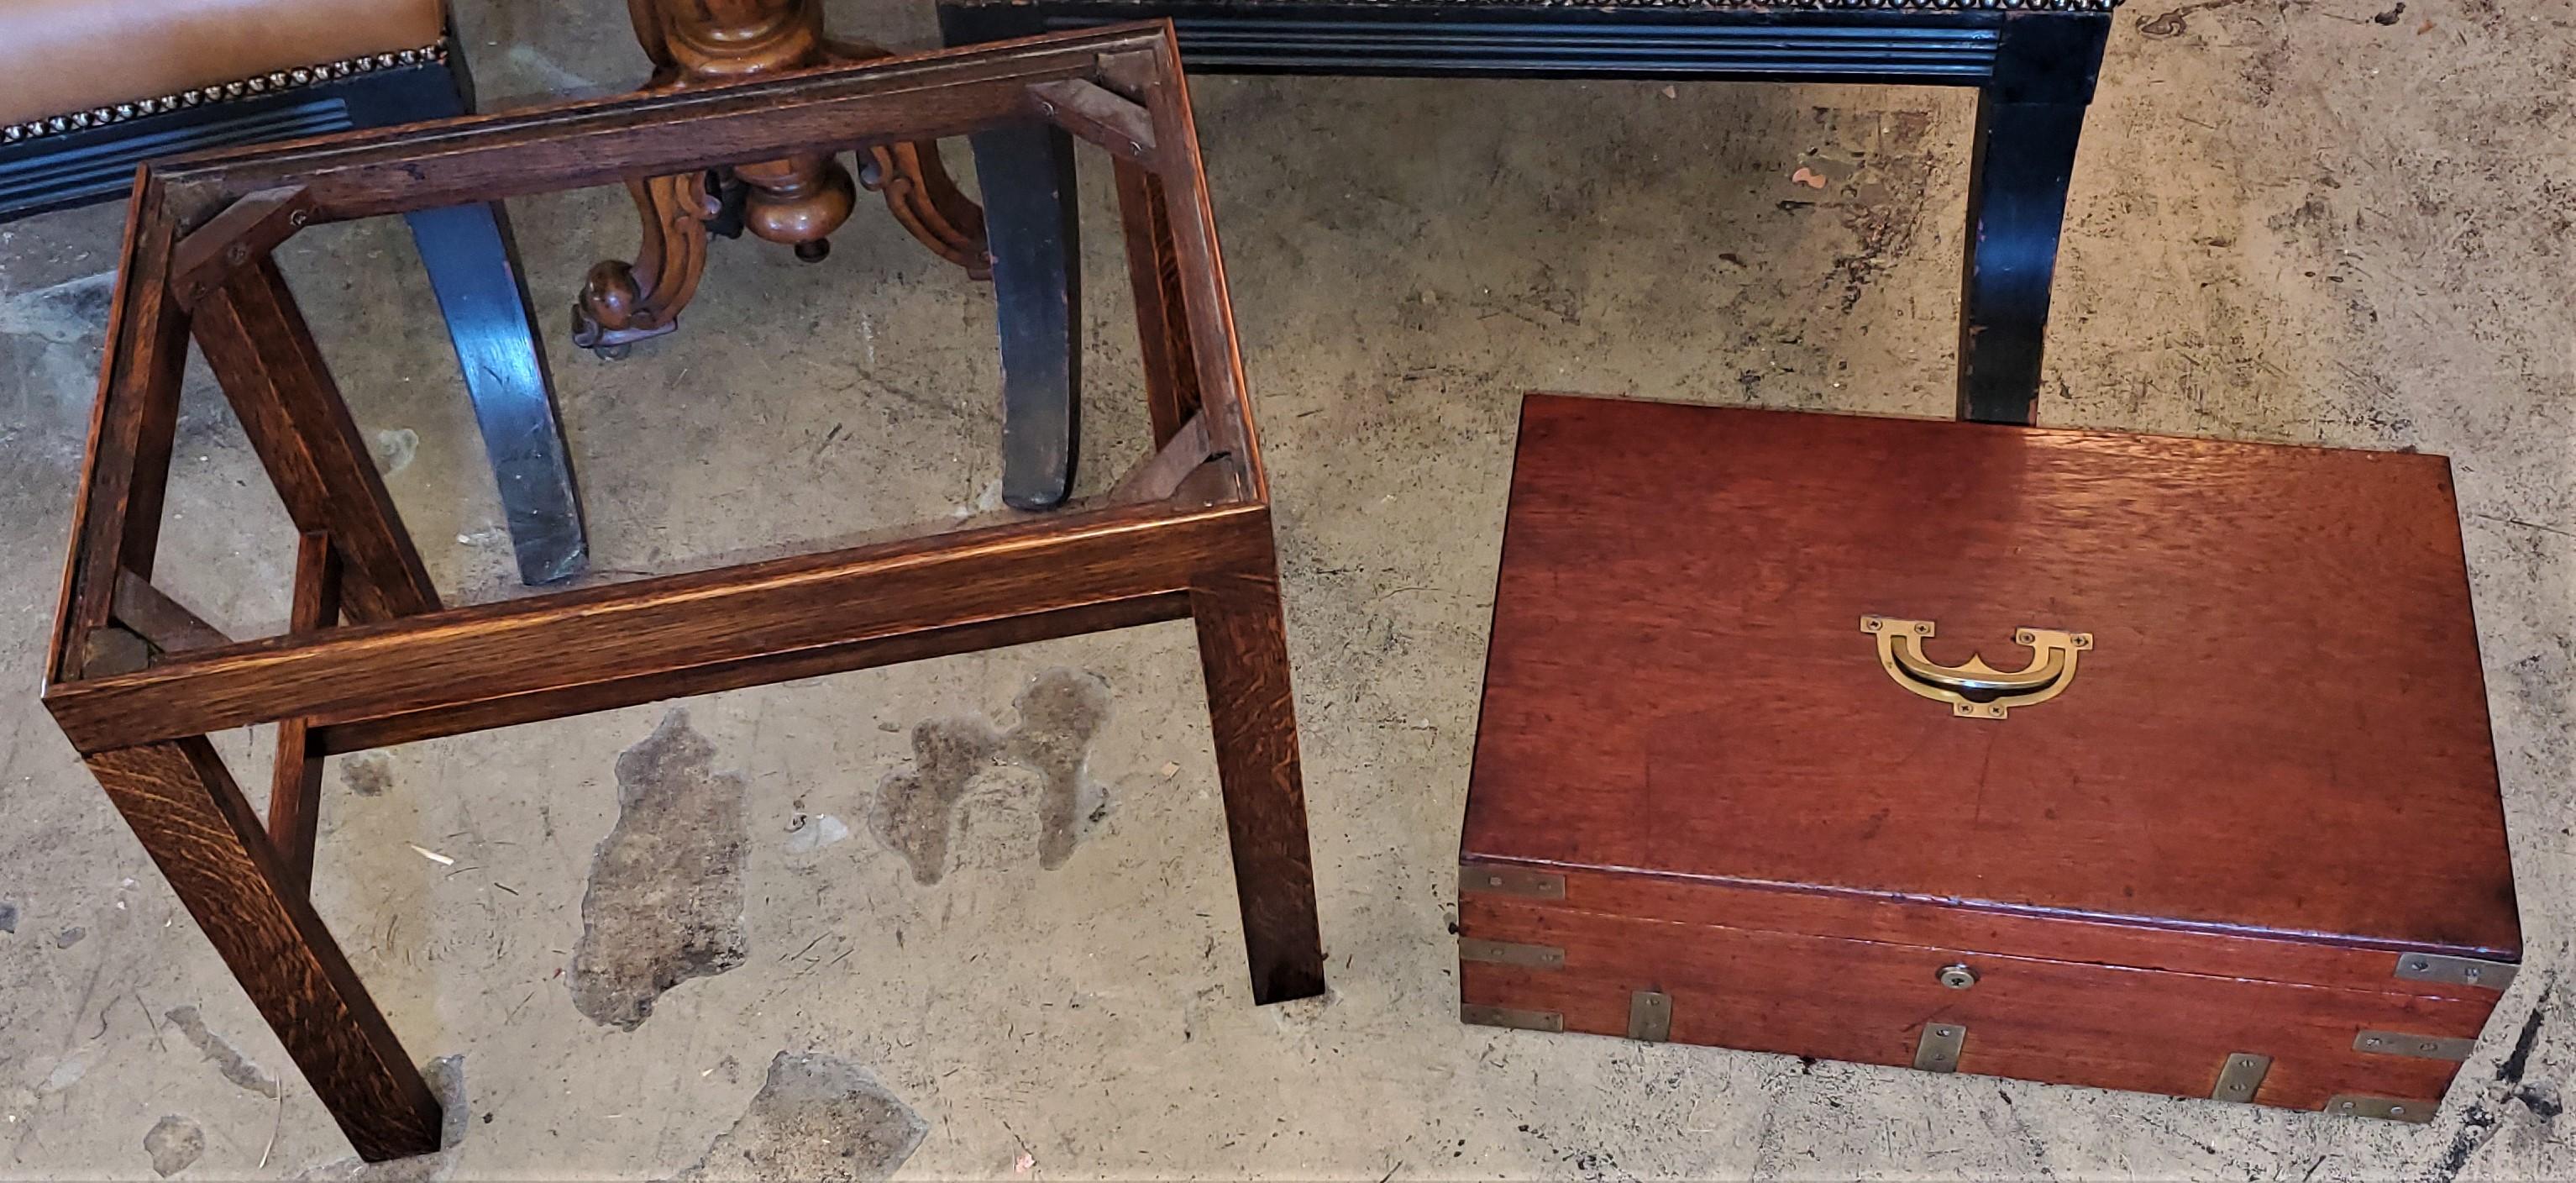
column 137, row 681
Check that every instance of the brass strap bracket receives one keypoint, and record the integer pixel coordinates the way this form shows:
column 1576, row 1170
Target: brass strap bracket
column 2240, row 1077
column 1517, row 1020
column 1939, row 1049
column 2454, row 971
column 1508, row 953
column 2383, row 1108
column 2420, row 1047
column 1650, row 1016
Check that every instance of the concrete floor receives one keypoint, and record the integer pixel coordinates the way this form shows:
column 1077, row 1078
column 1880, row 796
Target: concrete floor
column 2292, row 221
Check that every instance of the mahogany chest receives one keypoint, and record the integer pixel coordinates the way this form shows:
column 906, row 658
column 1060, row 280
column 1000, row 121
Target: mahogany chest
column 2126, row 761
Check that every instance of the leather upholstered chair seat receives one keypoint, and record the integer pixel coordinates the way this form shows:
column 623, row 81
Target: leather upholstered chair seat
column 75, row 56
column 94, row 88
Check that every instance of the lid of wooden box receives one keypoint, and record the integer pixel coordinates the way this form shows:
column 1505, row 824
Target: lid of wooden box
column 2279, row 727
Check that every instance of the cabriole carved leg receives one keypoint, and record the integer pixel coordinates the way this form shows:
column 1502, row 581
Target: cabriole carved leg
column 627, row 302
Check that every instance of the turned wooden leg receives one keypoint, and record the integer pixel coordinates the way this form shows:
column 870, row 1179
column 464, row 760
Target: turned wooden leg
column 797, row 202
column 1243, row 650
column 2028, row 118
column 208, row 843
column 1027, row 174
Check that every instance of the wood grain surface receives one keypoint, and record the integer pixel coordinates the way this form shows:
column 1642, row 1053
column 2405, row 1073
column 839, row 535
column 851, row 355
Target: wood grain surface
column 210, row 846
column 660, row 626
column 295, row 780
column 2281, row 728
column 116, row 514
column 1243, row 651
column 1197, row 542
column 263, row 354
column 2029, row 1018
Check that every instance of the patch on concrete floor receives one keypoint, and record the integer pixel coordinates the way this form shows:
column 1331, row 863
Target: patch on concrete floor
column 174, row 1143
column 665, row 897
column 69, row 937
column 915, row 810
column 395, row 448
column 66, row 313
column 228, row 1059
column 816, row 1117
column 447, row 1079
column 368, row 775
column 8, row 917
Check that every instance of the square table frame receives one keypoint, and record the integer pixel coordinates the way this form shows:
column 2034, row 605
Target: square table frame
column 136, row 681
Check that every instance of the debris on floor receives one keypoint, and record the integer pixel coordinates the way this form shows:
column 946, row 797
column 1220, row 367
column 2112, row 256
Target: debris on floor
column 915, row 812
column 665, row 898
column 368, row 775
column 228, row 1059
column 817, row 1117
column 811, row 832
column 174, row 1143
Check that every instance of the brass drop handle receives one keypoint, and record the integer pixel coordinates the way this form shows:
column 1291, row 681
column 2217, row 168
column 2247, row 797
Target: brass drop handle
column 1974, row 689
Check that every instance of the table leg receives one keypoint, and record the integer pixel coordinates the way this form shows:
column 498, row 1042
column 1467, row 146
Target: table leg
column 2029, row 116
column 199, row 829
column 1243, row 651
column 1033, row 225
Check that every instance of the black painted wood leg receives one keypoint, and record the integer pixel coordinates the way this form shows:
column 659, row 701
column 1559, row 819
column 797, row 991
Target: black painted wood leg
column 467, row 251
column 473, row 266
column 1031, row 224
column 2028, row 120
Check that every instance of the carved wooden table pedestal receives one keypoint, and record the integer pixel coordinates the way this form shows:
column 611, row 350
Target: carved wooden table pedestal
column 137, row 682
column 798, row 200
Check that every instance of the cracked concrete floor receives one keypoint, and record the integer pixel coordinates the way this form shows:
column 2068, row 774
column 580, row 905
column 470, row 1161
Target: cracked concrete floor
column 2291, row 221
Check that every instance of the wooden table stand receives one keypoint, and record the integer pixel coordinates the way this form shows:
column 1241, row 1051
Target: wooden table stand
column 137, row 681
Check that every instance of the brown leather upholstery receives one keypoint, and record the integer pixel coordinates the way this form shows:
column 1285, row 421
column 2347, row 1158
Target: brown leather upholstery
column 61, row 56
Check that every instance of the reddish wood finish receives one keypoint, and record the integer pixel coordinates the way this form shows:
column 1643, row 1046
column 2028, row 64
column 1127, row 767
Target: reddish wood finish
column 2031, row 1018
column 166, row 624
column 2282, row 725
column 1189, row 537
column 2274, row 764
column 116, row 516
column 260, row 350
column 210, row 846
column 1243, row 653
column 1162, row 329
column 295, row 783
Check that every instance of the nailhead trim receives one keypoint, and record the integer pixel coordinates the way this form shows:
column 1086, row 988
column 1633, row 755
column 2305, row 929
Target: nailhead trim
column 274, row 80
